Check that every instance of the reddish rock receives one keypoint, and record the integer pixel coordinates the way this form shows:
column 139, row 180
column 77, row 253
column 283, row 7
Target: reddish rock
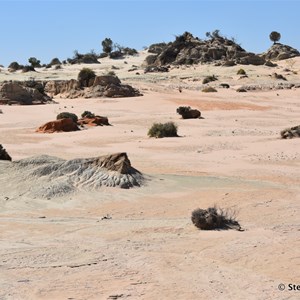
column 62, row 125
column 95, row 121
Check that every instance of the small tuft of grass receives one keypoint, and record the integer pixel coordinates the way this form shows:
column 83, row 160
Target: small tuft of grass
column 209, row 79
column 209, row 89
column 241, row 72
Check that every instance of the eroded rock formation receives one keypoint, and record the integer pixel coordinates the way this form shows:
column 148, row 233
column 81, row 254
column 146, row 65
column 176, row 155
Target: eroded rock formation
column 48, row 176
column 100, row 86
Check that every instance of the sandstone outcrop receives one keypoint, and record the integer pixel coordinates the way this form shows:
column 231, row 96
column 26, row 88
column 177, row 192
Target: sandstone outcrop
column 187, row 49
column 100, row 86
column 62, row 125
column 279, row 52
column 14, row 92
column 56, row 87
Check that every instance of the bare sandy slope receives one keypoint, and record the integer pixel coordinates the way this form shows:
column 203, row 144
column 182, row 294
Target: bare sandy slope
column 140, row 243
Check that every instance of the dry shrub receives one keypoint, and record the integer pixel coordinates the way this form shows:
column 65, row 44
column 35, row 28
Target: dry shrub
column 290, row 133
column 215, row 218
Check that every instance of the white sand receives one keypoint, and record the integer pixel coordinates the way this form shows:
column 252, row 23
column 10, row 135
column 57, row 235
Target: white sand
column 149, row 249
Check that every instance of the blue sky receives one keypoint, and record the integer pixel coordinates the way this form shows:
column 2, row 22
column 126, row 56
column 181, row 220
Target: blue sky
column 47, row 29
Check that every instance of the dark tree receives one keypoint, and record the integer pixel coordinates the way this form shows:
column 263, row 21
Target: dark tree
column 275, row 36
column 107, row 45
column 35, row 63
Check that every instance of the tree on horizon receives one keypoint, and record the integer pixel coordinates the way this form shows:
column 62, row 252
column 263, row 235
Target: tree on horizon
column 35, row 63
column 107, row 45
column 275, row 36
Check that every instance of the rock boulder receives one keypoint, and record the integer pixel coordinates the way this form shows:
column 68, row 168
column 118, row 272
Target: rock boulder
column 62, row 125
column 14, row 92
column 3, row 154
column 93, row 121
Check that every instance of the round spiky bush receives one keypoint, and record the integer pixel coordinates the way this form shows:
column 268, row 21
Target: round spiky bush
column 214, row 218
column 67, row 115
column 160, row 130
column 85, row 75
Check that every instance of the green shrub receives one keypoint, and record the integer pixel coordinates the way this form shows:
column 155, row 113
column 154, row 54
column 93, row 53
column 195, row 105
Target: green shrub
column 87, row 114
column 55, row 61
column 85, row 75
column 67, row 115
column 209, row 79
column 241, row 72
column 183, row 109
column 27, row 68
column 14, row 66
column 160, row 130
column 129, row 51
column 157, row 48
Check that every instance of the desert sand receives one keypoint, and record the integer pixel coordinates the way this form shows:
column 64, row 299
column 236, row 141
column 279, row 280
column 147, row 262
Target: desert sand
column 140, row 243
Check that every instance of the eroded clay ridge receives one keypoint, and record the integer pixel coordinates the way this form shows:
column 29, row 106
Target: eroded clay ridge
column 47, row 176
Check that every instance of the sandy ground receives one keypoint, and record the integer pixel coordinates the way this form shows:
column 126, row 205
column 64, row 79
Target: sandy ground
column 147, row 247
